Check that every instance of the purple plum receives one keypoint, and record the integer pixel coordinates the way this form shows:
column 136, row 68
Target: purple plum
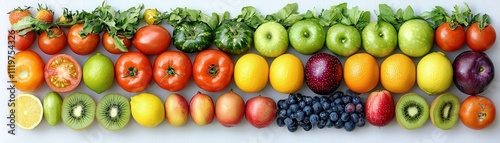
column 473, row 72
column 323, row 73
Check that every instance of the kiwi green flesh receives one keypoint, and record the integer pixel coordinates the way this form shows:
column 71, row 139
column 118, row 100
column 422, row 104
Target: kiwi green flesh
column 78, row 111
column 445, row 111
column 113, row 112
column 412, row 111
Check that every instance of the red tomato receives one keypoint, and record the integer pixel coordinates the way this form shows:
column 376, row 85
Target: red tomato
column 52, row 45
column 212, row 70
column 63, row 73
column 449, row 39
column 133, row 71
column 21, row 42
column 109, row 45
column 82, row 45
column 477, row 112
column 172, row 70
column 28, row 71
column 152, row 39
column 480, row 40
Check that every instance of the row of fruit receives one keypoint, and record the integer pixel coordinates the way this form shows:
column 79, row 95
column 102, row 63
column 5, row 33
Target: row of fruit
column 194, row 31
column 113, row 111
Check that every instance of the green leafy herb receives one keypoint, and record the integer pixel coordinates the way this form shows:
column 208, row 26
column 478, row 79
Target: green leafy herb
column 30, row 23
column 463, row 17
column 286, row 16
column 341, row 14
column 396, row 19
column 179, row 15
column 482, row 20
column 437, row 16
column 249, row 16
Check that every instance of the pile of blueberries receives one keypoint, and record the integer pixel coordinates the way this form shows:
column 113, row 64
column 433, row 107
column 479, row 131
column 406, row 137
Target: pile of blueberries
column 338, row 110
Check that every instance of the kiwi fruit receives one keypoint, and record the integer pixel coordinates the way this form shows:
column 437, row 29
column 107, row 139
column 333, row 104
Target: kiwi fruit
column 445, row 111
column 412, row 111
column 78, row 111
column 113, row 111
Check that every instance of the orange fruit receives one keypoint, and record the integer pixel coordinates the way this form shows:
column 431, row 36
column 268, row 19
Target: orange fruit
column 397, row 73
column 361, row 72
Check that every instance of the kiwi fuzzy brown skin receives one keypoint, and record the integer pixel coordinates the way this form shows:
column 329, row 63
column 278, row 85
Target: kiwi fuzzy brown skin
column 437, row 107
column 411, row 98
column 78, row 101
column 116, row 119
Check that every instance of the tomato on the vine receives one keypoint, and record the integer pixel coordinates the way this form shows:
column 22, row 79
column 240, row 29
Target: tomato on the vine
column 450, row 37
column 109, row 45
column 63, row 73
column 21, row 42
column 212, row 70
column 133, row 71
column 152, row 39
column 52, row 42
column 82, row 44
column 172, row 70
column 28, row 71
column 477, row 112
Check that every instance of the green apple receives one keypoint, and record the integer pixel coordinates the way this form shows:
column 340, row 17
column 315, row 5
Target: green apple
column 343, row 40
column 307, row 36
column 416, row 38
column 379, row 38
column 271, row 39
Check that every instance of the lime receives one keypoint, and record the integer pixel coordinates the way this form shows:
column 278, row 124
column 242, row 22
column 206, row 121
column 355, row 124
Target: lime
column 52, row 108
column 98, row 73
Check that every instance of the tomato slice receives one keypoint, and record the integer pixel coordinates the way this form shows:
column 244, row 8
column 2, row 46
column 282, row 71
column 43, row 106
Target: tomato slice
column 28, row 71
column 63, row 73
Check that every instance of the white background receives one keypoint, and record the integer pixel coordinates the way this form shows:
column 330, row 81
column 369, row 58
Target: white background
column 244, row 132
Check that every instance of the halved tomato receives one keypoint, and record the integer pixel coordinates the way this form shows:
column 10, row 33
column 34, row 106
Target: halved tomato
column 28, row 71
column 63, row 73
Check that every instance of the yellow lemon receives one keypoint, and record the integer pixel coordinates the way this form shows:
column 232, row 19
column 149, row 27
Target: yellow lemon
column 398, row 73
column 147, row 109
column 434, row 73
column 251, row 73
column 286, row 74
column 29, row 111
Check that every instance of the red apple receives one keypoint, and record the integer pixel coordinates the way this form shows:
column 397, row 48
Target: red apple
column 379, row 108
column 229, row 109
column 260, row 111
column 201, row 108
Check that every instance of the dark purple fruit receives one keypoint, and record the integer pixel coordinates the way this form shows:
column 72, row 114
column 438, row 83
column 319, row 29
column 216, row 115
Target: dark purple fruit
column 323, row 73
column 473, row 72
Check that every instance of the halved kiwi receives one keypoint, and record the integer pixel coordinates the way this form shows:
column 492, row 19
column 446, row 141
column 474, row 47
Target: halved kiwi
column 445, row 111
column 412, row 111
column 78, row 111
column 113, row 111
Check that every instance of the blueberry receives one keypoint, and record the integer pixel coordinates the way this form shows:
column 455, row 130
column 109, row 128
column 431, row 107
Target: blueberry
column 307, row 127
column 361, row 115
column 329, row 123
column 316, row 99
column 330, row 98
column 333, row 104
column 346, row 99
column 283, row 113
column 289, row 112
column 359, row 108
column 356, row 100
column 291, row 100
column 308, row 100
column 285, row 105
column 339, row 124
column 314, row 119
column 307, row 110
column 329, row 111
column 361, row 122
column 354, row 117
column 350, row 92
column 349, row 108
column 334, row 116
column 294, row 107
column 338, row 94
column 340, row 109
column 280, row 103
column 293, row 115
column 280, row 121
column 298, row 97
column 335, row 109
column 292, row 128
column 317, row 107
column 321, row 124
column 324, row 99
column 326, row 105
column 324, row 115
column 302, row 104
column 306, row 120
column 338, row 101
column 300, row 123
column 288, row 121
column 349, row 126
column 345, row 117
column 300, row 115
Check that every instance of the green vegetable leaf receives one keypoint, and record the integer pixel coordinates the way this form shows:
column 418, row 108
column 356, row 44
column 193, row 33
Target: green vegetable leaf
column 212, row 21
column 386, row 14
column 437, row 16
column 408, row 13
column 347, row 16
column 286, row 16
column 482, row 20
column 250, row 17
column 30, row 23
column 119, row 44
column 463, row 17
